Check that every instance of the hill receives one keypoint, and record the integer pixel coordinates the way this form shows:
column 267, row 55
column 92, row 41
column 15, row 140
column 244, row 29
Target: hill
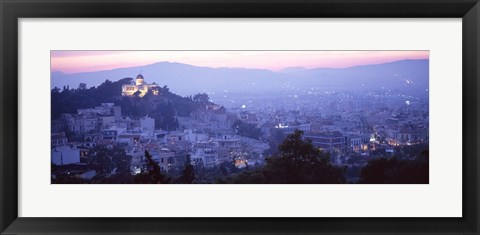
column 163, row 107
column 184, row 79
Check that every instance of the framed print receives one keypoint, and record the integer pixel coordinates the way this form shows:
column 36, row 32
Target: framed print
column 239, row 117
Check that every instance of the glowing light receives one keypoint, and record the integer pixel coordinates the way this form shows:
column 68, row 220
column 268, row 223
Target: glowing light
column 280, row 125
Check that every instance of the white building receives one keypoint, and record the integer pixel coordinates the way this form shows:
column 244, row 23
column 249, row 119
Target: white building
column 58, row 139
column 80, row 123
column 205, row 156
column 192, row 137
column 147, row 125
column 64, row 155
column 139, row 86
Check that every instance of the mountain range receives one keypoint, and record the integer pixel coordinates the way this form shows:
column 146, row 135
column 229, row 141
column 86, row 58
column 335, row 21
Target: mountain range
column 184, row 79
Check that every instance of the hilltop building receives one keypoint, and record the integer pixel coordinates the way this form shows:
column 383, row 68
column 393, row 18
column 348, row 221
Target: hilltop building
column 139, row 86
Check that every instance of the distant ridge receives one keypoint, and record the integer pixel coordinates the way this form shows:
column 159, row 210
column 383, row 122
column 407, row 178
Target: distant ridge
column 408, row 75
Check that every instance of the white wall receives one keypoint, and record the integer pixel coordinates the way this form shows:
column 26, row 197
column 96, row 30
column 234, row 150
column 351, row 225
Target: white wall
column 65, row 155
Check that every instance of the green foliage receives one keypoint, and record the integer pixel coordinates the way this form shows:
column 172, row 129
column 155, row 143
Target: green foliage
column 137, row 94
column 163, row 107
column 201, row 98
column 67, row 179
column 188, row 173
column 299, row 162
column 100, row 159
column 82, row 86
column 277, row 138
column 228, row 168
column 249, row 177
column 111, row 166
column 119, row 178
column 418, row 151
column 121, row 161
column 103, row 160
column 69, row 100
column 150, row 173
column 394, row 171
column 247, row 130
column 165, row 117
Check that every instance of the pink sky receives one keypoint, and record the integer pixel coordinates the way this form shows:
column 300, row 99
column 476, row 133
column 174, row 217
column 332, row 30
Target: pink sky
column 89, row 61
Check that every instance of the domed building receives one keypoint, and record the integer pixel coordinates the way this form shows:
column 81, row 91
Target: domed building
column 139, row 86
column 139, row 80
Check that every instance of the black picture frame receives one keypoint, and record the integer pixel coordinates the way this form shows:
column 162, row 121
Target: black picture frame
column 12, row 10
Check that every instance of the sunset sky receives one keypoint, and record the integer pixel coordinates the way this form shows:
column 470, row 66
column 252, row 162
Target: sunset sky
column 89, row 61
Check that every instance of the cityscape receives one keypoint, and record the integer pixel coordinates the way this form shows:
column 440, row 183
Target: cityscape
column 240, row 117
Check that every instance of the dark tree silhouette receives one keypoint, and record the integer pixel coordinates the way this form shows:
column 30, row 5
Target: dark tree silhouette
column 395, row 171
column 121, row 160
column 137, row 93
column 299, row 162
column 201, row 98
column 69, row 100
column 100, row 159
column 150, row 173
column 82, row 86
column 112, row 165
column 188, row 173
column 249, row 177
column 163, row 107
column 247, row 130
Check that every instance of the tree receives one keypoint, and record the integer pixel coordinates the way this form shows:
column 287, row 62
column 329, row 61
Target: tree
column 122, row 175
column 100, row 158
column 299, row 162
column 201, row 98
column 164, row 116
column 137, row 93
column 247, row 130
column 188, row 173
column 395, row 171
column 277, row 137
column 248, row 177
column 121, row 160
column 104, row 160
column 150, row 173
column 55, row 91
column 67, row 179
column 82, row 86
column 166, row 89
column 68, row 101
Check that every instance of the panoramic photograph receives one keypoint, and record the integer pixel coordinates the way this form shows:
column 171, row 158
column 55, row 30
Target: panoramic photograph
column 239, row 117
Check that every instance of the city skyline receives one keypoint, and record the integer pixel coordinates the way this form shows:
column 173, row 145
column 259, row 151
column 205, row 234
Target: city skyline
column 184, row 123
column 72, row 62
